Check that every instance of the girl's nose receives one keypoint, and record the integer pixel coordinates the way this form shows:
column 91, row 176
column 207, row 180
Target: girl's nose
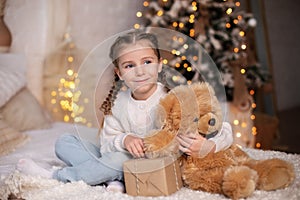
column 139, row 70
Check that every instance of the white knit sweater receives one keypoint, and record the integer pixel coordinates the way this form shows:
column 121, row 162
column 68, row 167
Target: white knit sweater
column 136, row 117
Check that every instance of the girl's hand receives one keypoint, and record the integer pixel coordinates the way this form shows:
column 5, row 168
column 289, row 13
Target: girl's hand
column 134, row 145
column 195, row 145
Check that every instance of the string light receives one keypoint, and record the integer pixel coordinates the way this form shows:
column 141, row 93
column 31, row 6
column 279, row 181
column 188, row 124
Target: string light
column 236, row 122
column 64, row 98
column 160, row 13
column 192, row 18
column 70, row 59
column 258, row 145
column 192, row 32
column 244, row 125
column 70, row 72
column 146, row 4
column 254, row 130
column 194, row 6
column 229, row 11
column 139, row 14
column 243, row 46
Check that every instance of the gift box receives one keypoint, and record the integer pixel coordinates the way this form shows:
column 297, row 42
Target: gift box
column 152, row 177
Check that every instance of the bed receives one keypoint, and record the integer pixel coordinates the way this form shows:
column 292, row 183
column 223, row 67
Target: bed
column 26, row 130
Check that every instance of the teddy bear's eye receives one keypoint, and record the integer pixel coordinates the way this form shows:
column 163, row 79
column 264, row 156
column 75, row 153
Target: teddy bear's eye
column 212, row 122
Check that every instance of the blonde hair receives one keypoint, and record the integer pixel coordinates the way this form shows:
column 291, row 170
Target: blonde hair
column 121, row 42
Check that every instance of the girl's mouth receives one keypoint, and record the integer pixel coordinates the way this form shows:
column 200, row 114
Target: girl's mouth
column 141, row 81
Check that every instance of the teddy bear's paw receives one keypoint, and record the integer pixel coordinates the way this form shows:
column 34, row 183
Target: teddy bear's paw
column 275, row 174
column 153, row 151
column 239, row 182
column 161, row 153
column 150, row 154
column 151, row 146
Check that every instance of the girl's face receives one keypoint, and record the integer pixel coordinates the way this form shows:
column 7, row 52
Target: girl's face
column 139, row 66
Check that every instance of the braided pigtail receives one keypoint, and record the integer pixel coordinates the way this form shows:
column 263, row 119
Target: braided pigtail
column 111, row 97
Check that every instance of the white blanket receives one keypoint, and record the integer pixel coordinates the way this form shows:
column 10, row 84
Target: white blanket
column 40, row 148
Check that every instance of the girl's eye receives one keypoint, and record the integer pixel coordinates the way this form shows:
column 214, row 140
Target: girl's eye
column 147, row 62
column 128, row 66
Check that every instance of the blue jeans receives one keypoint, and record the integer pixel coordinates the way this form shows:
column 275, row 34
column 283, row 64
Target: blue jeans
column 85, row 162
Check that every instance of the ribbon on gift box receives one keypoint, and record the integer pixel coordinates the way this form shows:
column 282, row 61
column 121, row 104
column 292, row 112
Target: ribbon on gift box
column 150, row 183
column 152, row 177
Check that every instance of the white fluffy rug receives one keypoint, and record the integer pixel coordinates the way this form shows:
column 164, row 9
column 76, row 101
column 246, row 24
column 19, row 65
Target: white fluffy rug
column 32, row 188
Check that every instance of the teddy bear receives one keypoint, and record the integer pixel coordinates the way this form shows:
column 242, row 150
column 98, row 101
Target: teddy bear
column 231, row 172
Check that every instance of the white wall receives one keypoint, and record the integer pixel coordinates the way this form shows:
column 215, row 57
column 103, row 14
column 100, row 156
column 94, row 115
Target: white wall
column 93, row 21
column 27, row 21
column 37, row 27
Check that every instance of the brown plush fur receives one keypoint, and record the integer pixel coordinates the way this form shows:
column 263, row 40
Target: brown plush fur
column 230, row 172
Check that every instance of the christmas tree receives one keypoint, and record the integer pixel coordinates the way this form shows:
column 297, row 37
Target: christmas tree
column 226, row 33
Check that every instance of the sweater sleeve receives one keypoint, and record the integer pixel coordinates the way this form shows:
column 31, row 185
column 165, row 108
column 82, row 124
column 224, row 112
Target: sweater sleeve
column 224, row 139
column 112, row 134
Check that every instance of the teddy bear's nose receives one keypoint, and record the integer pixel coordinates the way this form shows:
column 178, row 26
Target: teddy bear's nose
column 212, row 122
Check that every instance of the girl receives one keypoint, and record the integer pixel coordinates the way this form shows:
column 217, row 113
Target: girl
column 128, row 117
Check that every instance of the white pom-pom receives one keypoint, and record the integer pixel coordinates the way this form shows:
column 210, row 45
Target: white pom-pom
column 252, row 22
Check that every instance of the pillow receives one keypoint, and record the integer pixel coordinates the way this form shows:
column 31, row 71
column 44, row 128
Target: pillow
column 12, row 75
column 23, row 112
column 10, row 138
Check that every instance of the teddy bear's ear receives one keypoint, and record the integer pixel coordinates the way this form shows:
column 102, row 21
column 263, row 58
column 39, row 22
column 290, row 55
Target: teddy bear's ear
column 165, row 110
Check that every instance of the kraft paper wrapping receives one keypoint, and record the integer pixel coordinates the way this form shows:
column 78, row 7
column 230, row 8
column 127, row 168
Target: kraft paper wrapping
column 152, row 177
